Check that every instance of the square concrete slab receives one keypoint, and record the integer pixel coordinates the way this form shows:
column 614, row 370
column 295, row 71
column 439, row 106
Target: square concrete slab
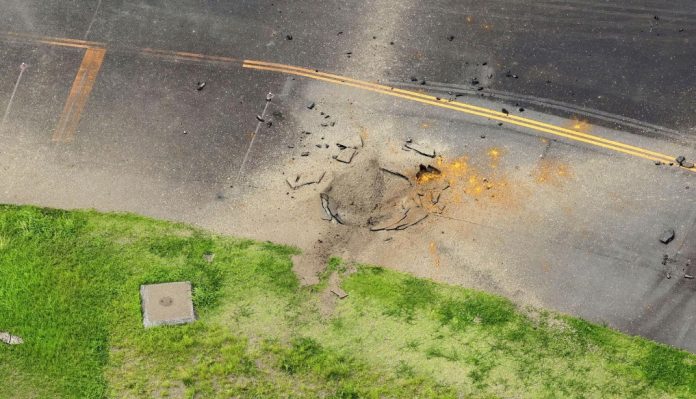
column 167, row 303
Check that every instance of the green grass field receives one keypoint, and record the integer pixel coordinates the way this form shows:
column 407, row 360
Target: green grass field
column 69, row 286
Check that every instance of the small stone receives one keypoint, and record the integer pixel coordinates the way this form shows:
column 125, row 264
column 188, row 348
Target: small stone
column 414, row 79
column 483, row 136
column 310, row 105
column 305, row 154
column 505, row 111
column 667, row 236
column 521, row 109
column 288, row 37
column 200, row 86
column 450, row 38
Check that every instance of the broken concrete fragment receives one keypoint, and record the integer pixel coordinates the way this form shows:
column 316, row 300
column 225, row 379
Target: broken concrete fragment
column 10, row 339
column 305, row 180
column 425, row 171
column 667, row 236
column 339, row 293
column 310, row 105
column 428, row 152
column 346, row 156
column 330, row 208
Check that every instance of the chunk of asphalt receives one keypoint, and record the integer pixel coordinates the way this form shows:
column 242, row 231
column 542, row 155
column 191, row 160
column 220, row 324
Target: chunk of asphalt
column 302, row 180
column 346, row 156
column 428, row 152
column 505, row 111
column 667, row 236
column 288, row 37
column 329, row 208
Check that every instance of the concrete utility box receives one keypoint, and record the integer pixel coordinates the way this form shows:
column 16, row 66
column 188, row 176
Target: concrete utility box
column 167, row 303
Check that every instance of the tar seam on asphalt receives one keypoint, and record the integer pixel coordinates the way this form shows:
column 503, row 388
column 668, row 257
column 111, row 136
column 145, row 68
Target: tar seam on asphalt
column 22, row 68
column 94, row 17
column 251, row 143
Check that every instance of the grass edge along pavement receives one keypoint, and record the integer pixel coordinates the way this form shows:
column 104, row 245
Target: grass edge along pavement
column 70, row 282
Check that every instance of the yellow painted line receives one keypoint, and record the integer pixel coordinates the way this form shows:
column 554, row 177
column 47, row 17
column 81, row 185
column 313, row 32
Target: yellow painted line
column 188, row 56
column 448, row 106
column 79, row 94
column 51, row 40
column 493, row 114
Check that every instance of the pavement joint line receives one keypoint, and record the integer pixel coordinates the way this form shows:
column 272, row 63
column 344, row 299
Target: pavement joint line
column 94, row 18
column 22, row 68
column 484, row 112
column 79, row 94
column 251, row 142
column 494, row 114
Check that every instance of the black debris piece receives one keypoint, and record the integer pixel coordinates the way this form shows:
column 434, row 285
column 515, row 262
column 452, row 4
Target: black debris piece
column 288, row 37
column 667, row 236
column 483, row 136
column 474, row 82
column 480, row 88
column 391, row 43
column 421, row 150
column 339, row 33
column 324, row 124
column 423, row 170
column 332, row 124
column 450, row 37
column 310, row 105
column 658, row 163
column 269, row 123
column 506, row 112
column 422, row 82
column 414, row 79
column 656, row 18
column 397, row 174
column 200, row 86
column 305, row 154
column 306, row 132
column 484, row 64
column 521, row 109
column 259, row 118
column 680, row 159
column 509, row 74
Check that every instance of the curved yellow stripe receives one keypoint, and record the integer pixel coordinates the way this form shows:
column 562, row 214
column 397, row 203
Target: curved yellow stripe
column 445, row 105
column 507, row 118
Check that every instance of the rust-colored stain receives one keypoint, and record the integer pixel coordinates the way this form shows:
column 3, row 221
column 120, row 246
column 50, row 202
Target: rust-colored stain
column 579, row 125
column 553, row 172
column 79, row 94
column 432, row 248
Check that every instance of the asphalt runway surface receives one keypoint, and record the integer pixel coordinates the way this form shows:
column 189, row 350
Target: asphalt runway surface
column 101, row 109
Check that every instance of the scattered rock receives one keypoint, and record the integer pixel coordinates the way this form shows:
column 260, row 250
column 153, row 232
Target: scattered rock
column 680, row 159
column 200, row 86
column 10, row 339
column 521, row 109
column 311, row 105
column 667, row 236
column 505, row 111
column 305, row 154
column 259, row 118
column 288, row 37
column 450, row 37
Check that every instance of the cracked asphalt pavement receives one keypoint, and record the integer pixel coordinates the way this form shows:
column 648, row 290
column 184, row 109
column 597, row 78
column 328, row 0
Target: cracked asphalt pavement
column 560, row 202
